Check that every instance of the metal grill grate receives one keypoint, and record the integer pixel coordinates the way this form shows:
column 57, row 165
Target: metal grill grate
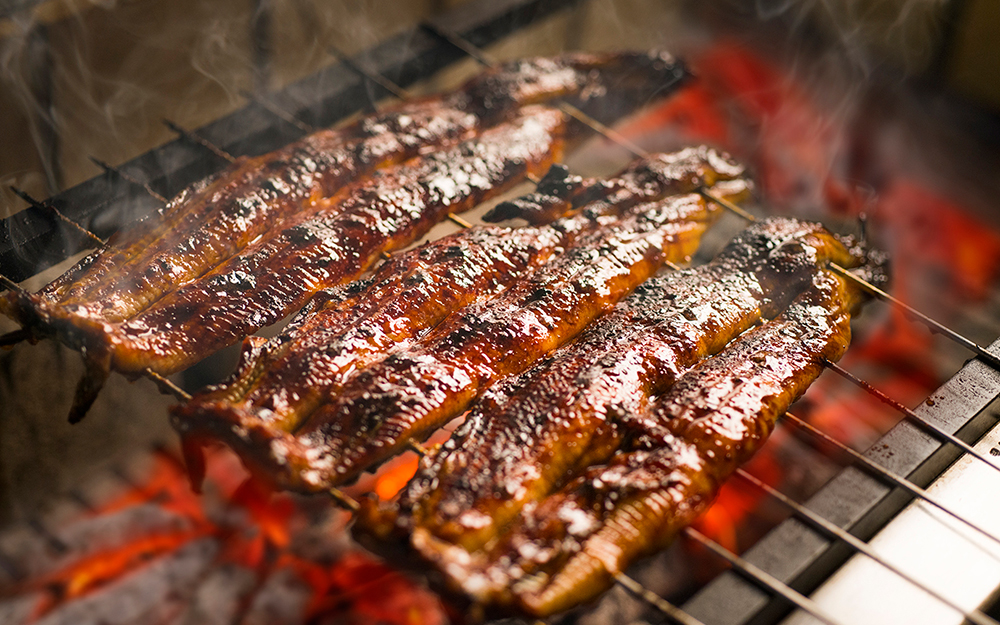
column 765, row 582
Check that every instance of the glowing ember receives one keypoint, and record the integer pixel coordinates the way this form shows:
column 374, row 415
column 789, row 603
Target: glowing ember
column 270, row 554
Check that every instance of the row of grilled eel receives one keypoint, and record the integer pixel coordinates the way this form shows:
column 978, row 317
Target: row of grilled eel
column 245, row 248
column 600, row 454
column 452, row 306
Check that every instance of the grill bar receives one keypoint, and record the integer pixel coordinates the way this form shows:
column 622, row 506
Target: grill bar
column 855, row 500
column 761, row 577
column 29, row 244
column 935, row 430
column 860, row 546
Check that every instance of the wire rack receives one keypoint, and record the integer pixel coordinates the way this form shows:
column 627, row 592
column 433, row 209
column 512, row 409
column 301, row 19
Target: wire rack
column 761, row 585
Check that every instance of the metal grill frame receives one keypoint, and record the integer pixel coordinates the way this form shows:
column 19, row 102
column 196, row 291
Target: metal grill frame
column 35, row 239
column 795, row 553
column 855, row 500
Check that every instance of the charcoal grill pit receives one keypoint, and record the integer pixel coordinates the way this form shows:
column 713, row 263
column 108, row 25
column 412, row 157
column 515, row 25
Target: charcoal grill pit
column 794, row 552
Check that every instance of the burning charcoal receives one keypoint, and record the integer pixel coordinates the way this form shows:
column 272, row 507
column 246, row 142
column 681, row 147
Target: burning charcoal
column 18, row 610
column 93, row 535
column 151, row 595
column 219, row 597
column 282, row 600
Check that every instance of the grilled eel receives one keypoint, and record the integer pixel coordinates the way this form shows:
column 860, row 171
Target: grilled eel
column 529, row 432
column 212, row 220
column 567, row 548
column 317, row 249
column 280, row 381
column 415, row 390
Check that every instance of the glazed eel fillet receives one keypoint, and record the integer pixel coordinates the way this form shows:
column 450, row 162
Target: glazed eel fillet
column 282, row 380
column 212, row 220
column 566, row 547
column 317, row 249
column 214, row 228
column 530, row 431
column 415, row 390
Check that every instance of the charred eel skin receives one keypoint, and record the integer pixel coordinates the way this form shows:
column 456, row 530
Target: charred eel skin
column 212, row 220
column 567, row 550
column 413, row 391
column 527, row 433
column 315, row 250
column 279, row 382
column 321, row 249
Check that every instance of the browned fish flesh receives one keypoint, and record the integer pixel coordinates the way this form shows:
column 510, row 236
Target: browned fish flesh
column 674, row 452
column 212, row 220
column 280, row 382
column 413, row 391
column 529, row 432
column 569, row 548
column 315, row 250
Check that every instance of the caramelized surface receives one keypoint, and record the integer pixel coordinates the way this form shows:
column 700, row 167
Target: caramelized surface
column 567, row 549
column 529, row 432
column 212, row 220
column 281, row 382
column 415, row 390
column 225, row 219
column 562, row 477
column 322, row 248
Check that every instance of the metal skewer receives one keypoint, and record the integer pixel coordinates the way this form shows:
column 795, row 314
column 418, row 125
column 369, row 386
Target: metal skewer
column 935, row 326
column 897, row 480
column 860, row 546
column 166, row 385
column 127, row 178
column 55, row 211
column 376, row 78
column 655, row 600
column 279, row 112
column 760, row 576
column 196, row 138
column 913, row 416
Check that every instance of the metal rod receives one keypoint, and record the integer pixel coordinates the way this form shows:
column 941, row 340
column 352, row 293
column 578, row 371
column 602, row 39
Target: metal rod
column 898, row 480
column 920, row 421
column 936, row 326
column 127, row 178
column 344, row 501
column 602, row 129
column 279, row 112
column 196, row 138
column 11, row 285
column 14, row 337
column 416, row 447
column 455, row 219
column 859, row 545
column 378, row 79
column 761, row 576
column 726, row 204
column 166, row 386
column 655, row 600
column 460, row 42
column 55, row 211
